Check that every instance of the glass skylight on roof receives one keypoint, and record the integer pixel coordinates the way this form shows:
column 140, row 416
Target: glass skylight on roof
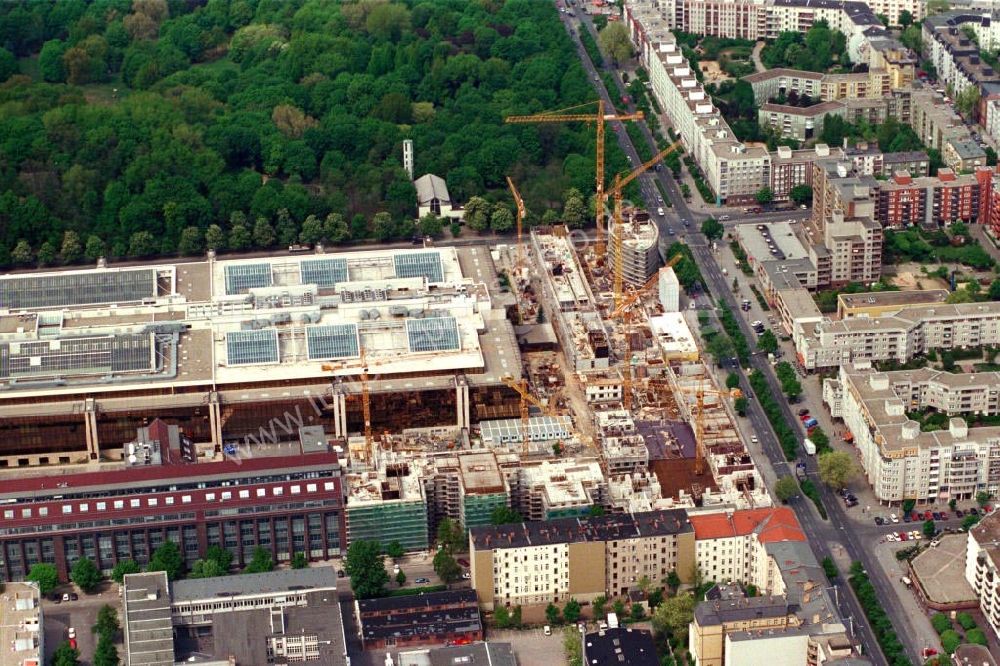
column 434, row 334
column 241, row 278
column 331, row 342
column 48, row 291
column 324, row 272
column 419, row 264
column 252, row 347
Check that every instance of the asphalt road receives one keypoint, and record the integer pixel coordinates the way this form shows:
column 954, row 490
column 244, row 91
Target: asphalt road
column 823, row 535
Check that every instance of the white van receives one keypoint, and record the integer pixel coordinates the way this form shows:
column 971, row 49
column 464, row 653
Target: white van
column 659, row 211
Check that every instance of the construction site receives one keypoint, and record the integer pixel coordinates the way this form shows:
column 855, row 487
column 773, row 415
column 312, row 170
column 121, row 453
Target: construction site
column 544, row 374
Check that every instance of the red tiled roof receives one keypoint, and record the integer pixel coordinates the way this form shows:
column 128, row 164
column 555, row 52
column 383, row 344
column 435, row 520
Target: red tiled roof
column 771, row 525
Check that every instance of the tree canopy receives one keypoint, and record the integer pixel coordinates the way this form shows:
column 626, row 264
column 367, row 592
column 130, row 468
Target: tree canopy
column 151, row 123
column 815, row 51
column 45, row 575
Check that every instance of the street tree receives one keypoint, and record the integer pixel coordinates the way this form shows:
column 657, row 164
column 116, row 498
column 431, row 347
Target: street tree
column 167, row 558
column 552, row 614
column 615, row 41
column 712, row 229
column 445, row 566
column 451, row 535
column 65, row 655
column 740, row 405
column 786, row 488
column 105, row 654
column 767, row 342
column 502, row 219
column 205, row 568
column 905, row 19
column 300, row 561
column 764, row 196
column 395, row 550
column 574, row 212
column 365, row 565
column 982, row 498
column 732, row 380
column 571, row 611
column 122, row 568
column 85, row 574
column 107, row 621
column 929, row 529
column 72, row 248
column 801, row 194
column 400, row 578
column 215, row 238
column 836, row 468
column 45, row 576
column 477, row 213
column 260, row 562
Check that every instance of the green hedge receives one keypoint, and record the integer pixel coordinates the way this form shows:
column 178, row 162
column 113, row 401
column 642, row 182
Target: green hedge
column 741, row 258
column 735, row 334
column 880, row 623
column 787, row 438
column 810, row 490
column 591, row 47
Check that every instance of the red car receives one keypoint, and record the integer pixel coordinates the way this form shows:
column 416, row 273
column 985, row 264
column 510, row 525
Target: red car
column 72, row 643
column 915, row 516
column 944, row 515
column 928, row 515
column 464, row 562
column 805, row 417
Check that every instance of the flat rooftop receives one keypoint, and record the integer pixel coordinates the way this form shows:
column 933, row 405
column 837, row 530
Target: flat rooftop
column 258, row 584
column 285, row 317
column 21, row 625
column 149, row 633
column 940, row 572
column 575, row 530
column 627, row 646
column 481, row 473
column 490, row 654
column 771, row 241
column 902, row 299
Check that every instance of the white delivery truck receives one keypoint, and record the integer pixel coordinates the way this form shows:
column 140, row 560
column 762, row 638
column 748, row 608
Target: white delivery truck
column 809, row 446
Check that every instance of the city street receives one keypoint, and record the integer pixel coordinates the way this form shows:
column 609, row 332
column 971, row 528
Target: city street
column 840, row 534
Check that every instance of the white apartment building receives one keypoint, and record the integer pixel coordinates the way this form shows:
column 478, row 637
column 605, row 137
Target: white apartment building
column 900, row 460
column 982, row 567
column 898, row 335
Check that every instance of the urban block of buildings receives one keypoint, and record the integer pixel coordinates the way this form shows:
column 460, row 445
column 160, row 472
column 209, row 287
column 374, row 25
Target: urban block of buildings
column 22, row 625
column 279, row 617
column 900, row 459
column 982, row 567
column 421, row 619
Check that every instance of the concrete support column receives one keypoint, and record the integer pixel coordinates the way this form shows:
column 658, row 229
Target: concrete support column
column 90, row 428
column 215, row 420
column 339, row 401
column 463, row 417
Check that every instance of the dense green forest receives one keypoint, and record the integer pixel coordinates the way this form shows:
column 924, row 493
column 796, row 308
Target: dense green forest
column 143, row 127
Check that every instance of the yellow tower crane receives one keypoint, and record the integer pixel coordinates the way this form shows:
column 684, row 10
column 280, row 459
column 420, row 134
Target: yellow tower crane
column 526, row 397
column 519, row 202
column 625, row 308
column 616, row 194
column 599, row 118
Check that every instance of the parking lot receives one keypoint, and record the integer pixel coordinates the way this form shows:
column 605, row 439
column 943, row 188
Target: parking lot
column 81, row 615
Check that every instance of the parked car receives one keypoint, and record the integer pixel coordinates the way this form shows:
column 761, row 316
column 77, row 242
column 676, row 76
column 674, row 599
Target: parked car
column 467, row 576
column 72, row 643
column 753, row 438
column 915, row 516
column 959, row 513
column 547, row 630
column 341, row 573
column 894, row 518
column 56, row 599
column 878, row 520
column 945, row 515
column 71, row 632
column 973, row 511
column 906, row 517
column 936, row 515
column 73, row 596
column 464, row 562
column 422, row 580
column 803, row 412
column 65, row 596
column 928, row 515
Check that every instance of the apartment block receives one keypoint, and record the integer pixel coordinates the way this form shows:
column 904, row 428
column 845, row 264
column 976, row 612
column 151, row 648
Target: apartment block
column 898, row 335
column 531, row 564
column 797, row 122
column 730, row 546
column 782, row 82
column 900, row 460
column 954, row 55
column 982, row 567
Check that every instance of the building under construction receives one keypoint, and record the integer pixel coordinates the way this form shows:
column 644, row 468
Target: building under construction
column 640, row 240
column 237, row 352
